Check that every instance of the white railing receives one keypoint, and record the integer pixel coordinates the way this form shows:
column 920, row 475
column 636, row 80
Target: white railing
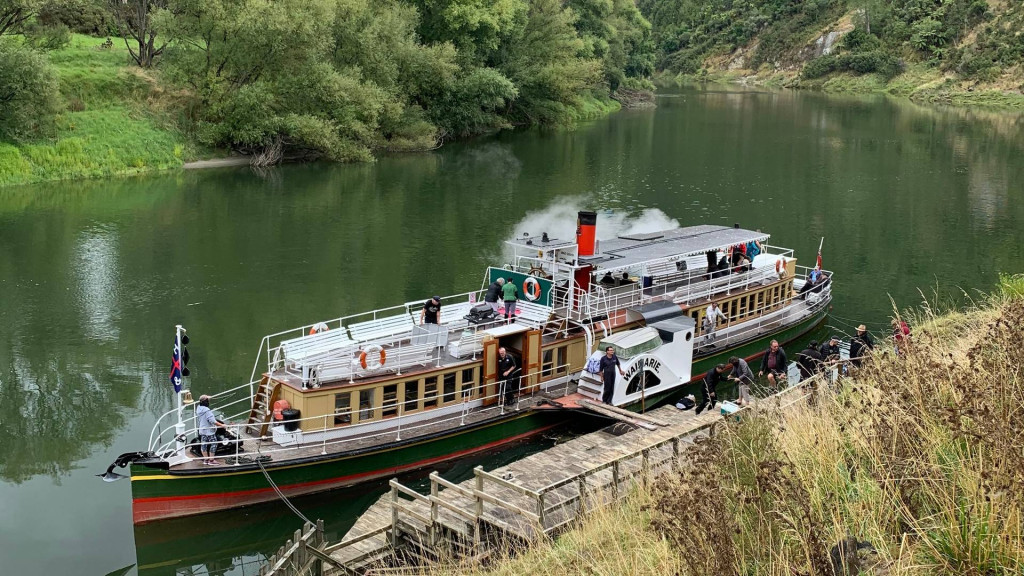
column 468, row 401
column 268, row 348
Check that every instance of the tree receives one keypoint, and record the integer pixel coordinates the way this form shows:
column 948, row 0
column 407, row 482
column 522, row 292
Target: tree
column 16, row 13
column 134, row 20
column 542, row 62
column 28, row 91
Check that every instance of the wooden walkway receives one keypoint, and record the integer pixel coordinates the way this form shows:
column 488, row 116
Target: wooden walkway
column 530, row 499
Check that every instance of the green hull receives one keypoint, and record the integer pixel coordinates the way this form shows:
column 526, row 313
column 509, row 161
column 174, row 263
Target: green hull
column 158, row 494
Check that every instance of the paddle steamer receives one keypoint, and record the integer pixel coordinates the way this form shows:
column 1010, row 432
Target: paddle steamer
column 372, row 395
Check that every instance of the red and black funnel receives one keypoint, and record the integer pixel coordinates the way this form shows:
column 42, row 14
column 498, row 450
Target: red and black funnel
column 586, row 232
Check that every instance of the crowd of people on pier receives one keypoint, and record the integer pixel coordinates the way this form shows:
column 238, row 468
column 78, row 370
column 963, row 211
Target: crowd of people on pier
column 814, row 359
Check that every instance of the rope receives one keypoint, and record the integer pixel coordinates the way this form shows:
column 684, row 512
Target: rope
column 281, row 495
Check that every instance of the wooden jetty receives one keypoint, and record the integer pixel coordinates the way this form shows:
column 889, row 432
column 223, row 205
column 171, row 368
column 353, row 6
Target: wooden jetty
column 530, row 499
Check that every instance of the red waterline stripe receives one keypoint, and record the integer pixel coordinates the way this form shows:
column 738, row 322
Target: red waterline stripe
column 343, row 478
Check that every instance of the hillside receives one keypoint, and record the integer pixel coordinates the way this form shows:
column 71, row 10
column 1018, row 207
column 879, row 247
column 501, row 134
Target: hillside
column 911, row 468
column 968, row 52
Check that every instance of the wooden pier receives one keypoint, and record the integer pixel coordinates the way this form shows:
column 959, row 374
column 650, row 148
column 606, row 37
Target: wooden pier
column 530, row 499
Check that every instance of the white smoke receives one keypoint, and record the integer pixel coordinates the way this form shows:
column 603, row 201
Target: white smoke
column 559, row 221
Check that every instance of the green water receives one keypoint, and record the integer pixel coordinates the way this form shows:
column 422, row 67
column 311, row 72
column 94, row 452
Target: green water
column 94, row 275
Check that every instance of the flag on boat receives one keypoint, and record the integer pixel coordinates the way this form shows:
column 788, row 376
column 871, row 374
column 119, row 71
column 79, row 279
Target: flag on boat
column 176, row 364
column 818, row 266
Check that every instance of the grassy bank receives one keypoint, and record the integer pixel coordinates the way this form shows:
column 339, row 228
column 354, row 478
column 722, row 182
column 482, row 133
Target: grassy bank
column 913, row 468
column 918, row 83
column 114, row 122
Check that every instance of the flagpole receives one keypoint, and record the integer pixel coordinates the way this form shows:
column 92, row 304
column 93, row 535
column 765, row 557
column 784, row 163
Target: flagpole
column 179, row 428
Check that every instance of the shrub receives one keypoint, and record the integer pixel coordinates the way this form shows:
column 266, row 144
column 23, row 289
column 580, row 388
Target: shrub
column 876, row 61
column 28, row 89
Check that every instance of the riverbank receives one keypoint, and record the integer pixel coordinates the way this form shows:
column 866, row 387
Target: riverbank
column 918, row 84
column 910, row 469
column 120, row 120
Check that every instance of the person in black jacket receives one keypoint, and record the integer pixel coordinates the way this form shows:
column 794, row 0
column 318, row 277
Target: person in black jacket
column 507, row 377
column 707, row 394
column 860, row 345
column 493, row 295
column 774, row 364
column 830, row 350
column 809, row 360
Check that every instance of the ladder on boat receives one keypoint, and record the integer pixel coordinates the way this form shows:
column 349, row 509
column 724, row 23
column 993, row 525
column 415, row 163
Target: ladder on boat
column 259, row 416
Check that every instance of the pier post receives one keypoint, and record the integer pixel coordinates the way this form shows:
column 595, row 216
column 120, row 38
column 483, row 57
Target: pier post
column 615, row 480
column 394, row 513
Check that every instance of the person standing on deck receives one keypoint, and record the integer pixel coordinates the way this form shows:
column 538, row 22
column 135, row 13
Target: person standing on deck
column 506, row 372
column 608, row 365
column 708, row 395
column 774, row 363
column 208, row 425
column 711, row 316
column 431, row 313
column 510, row 294
column 744, row 377
column 860, row 345
column 493, row 294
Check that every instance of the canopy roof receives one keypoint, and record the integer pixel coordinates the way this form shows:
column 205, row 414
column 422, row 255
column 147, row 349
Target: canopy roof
column 636, row 250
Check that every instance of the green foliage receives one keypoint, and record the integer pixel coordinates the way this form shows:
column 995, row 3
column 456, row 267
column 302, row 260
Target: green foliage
column 82, row 16
column 541, row 61
column 28, row 92
column 877, row 61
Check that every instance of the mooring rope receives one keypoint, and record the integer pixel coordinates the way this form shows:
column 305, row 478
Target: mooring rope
column 259, row 461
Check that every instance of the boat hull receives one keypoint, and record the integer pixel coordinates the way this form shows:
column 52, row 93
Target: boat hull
column 159, row 494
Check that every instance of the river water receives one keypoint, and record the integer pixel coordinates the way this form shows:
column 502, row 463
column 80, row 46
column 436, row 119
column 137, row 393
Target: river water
column 94, row 275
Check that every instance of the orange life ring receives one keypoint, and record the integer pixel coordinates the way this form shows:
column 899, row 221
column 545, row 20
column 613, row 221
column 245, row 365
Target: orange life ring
column 318, row 328
column 778, row 267
column 382, row 358
column 531, row 288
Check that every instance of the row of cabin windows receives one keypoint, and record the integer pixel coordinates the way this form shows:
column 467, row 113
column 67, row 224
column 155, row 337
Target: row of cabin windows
column 406, row 397
column 554, row 363
column 748, row 305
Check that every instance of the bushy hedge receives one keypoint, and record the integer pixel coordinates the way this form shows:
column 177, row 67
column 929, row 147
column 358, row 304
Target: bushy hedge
column 876, row 61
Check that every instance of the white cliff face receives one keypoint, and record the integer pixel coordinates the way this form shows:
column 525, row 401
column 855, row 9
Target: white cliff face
column 824, row 44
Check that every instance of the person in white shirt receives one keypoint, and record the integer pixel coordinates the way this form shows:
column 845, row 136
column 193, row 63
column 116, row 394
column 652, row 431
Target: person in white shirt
column 712, row 314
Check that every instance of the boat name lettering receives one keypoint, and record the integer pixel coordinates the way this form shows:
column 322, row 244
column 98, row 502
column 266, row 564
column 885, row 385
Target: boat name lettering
column 651, row 363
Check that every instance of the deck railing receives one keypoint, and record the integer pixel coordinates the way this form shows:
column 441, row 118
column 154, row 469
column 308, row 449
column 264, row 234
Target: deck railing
column 326, row 433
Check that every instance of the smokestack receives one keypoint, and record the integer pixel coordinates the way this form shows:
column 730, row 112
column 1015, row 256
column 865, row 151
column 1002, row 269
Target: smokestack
column 586, row 232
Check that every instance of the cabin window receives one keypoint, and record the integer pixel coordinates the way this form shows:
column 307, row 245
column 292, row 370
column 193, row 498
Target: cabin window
column 412, row 395
column 547, row 362
column 449, row 387
column 366, row 404
column 743, row 306
column 343, row 409
column 430, row 392
column 760, row 302
column 389, row 400
column 561, row 358
column 469, row 388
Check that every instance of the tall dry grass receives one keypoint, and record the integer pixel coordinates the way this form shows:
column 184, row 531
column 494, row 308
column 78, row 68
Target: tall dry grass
column 913, row 467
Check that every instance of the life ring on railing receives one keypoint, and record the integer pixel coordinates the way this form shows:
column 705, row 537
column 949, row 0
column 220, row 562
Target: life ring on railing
column 780, row 269
column 373, row 352
column 531, row 288
column 318, row 328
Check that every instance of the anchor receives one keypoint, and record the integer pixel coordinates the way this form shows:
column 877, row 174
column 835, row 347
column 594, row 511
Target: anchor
column 122, row 461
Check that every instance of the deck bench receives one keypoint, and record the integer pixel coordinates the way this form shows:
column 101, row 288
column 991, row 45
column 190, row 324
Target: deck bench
column 381, row 328
column 309, row 347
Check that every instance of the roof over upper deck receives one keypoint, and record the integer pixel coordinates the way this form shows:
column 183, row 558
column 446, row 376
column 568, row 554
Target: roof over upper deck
column 635, row 250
